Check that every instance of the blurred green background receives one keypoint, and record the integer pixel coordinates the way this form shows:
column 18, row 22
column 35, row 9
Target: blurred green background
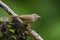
column 48, row 26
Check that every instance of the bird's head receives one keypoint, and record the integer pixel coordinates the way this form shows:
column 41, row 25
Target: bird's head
column 35, row 16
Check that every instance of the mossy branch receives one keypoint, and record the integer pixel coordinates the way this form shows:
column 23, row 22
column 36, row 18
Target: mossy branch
column 12, row 13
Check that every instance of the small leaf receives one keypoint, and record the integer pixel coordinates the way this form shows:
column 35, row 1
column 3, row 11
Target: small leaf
column 13, row 36
column 9, row 18
column 1, row 19
column 0, row 34
column 8, row 26
column 12, row 30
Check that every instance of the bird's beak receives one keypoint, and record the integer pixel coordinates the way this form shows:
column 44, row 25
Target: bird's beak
column 39, row 16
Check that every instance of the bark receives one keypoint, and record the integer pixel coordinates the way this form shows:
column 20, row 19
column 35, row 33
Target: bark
column 12, row 13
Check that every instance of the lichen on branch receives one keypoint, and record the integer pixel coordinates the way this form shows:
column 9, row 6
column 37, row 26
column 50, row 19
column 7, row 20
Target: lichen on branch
column 10, row 30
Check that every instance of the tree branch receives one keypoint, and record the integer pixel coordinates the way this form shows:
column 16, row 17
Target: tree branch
column 33, row 33
column 10, row 12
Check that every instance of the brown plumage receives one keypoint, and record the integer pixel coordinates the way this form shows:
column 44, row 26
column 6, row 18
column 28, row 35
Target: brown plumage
column 28, row 18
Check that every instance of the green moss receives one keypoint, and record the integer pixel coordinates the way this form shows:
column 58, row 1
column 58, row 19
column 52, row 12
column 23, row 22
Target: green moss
column 11, row 29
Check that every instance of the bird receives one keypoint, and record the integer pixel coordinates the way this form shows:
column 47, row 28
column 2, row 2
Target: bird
column 28, row 18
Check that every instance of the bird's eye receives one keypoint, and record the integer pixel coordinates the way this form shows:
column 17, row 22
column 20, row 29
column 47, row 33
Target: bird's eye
column 34, row 14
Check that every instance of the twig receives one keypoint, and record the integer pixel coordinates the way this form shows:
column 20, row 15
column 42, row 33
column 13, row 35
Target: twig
column 33, row 33
column 10, row 12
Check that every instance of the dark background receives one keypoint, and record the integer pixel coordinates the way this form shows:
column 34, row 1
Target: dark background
column 48, row 26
